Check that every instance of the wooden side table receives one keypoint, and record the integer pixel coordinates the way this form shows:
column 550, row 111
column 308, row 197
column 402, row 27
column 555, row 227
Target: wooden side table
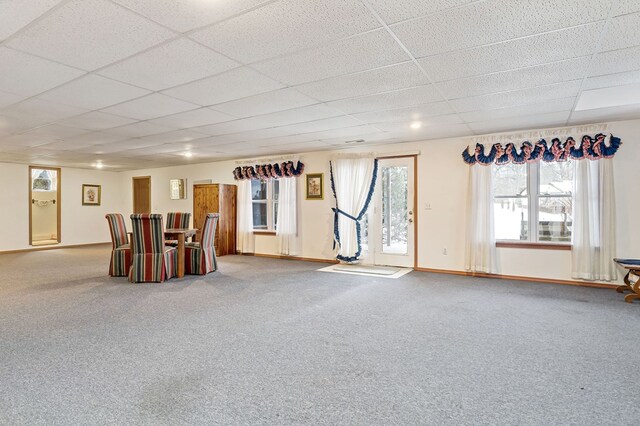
column 631, row 280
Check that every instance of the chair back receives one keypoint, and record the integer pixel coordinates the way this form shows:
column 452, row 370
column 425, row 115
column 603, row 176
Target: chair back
column 178, row 220
column 209, row 230
column 148, row 233
column 118, row 230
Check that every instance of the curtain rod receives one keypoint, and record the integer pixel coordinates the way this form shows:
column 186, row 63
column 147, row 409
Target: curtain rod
column 540, row 133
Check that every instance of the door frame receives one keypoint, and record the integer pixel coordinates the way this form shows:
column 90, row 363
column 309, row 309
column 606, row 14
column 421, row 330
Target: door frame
column 58, row 200
column 415, row 201
column 133, row 191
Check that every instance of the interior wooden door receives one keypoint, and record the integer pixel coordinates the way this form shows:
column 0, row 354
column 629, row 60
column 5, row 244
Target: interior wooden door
column 142, row 194
column 205, row 200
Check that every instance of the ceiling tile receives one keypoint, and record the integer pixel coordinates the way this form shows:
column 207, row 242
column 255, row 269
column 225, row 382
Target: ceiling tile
column 93, row 92
column 282, row 118
column 556, row 105
column 265, row 103
column 406, row 114
column 95, row 138
column 521, row 123
column 622, row 32
column 7, row 99
column 322, row 125
column 235, row 84
column 366, row 83
column 171, row 64
column 493, row 21
column 186, row 15
column 56, row 131
column 389, row 100
column 610, row 80
column 428, row 124
column 142, row 128
column 400, row 10
column 516, row 79
column 176, row 136
column 292, row 25
column 570, row 43
column 96, row 120
column 626, row 112
column 89, row 34
column 27, row 75
column 194, row 118
column 15, row 14
column 616, row 61
column 152, row 106
column 346, row 132
column 41, row 111
column 24, row 140
column 22, row 122
column 365, row 51
column 255, row 135
column 518, row 97
column 626, row 6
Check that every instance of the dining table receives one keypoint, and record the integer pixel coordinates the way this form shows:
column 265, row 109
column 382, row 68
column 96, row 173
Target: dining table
column 181, row 235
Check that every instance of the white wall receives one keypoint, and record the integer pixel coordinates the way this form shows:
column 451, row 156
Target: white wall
column 442, row 183
column 79, row 224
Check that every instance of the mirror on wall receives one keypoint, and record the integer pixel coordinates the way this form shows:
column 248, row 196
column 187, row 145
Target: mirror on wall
column 44, row 206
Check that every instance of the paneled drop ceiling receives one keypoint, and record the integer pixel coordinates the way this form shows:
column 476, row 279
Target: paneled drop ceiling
column 139, row 83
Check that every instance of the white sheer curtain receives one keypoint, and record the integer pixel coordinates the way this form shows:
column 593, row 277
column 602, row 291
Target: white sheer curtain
column 353, row 180
column 594, row 230
column 481, row 241
column 287, row 228
column 245, row 241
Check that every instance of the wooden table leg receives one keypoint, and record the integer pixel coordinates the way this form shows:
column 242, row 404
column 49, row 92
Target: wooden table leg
column 180, row 255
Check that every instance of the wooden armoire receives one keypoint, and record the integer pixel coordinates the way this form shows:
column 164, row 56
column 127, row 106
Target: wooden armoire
column 217, row 198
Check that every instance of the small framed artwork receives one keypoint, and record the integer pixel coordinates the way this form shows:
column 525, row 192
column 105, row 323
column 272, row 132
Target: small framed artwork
column 91, row 195
column 315, row 186
column 177, row 189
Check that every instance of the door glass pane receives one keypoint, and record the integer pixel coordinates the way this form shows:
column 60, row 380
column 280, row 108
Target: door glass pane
column 395, row 227
column 511, row 218
column 259, row 215
column 555, row 219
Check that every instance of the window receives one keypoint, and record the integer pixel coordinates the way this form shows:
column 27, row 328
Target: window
column 43, row 180
column 264, row 194
column 533, row 202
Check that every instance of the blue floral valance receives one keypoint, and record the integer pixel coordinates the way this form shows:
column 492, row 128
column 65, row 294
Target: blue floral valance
column 269, row 171
column 592, row 148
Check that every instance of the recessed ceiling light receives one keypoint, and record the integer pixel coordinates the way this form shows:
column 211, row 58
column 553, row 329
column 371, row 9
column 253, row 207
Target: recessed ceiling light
column 99, row 165
column 188, row 154
column 416, row 124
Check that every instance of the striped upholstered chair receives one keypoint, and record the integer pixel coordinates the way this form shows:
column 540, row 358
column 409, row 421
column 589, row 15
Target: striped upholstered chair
column 121, row 252
column 200, row 258
column 177, row 220
column 152, row 261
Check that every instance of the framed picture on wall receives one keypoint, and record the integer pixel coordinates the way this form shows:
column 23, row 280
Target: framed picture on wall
column 91, row 195
column 177, row 189
column 315, row 186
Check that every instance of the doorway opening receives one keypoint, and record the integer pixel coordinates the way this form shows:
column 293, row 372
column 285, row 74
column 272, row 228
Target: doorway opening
column 44, row 205
column 389, row 227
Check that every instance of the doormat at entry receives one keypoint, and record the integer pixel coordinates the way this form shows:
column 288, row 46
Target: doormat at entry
column 368, row 270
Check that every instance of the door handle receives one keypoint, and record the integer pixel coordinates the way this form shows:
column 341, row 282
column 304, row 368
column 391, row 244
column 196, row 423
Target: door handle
column 410, row 220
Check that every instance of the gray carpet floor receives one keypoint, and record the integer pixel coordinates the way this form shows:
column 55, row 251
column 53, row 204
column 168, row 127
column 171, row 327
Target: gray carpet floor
column 268, row 341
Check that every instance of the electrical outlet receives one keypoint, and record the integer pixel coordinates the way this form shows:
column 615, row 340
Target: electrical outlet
column 427, row 206
column 444, row 251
